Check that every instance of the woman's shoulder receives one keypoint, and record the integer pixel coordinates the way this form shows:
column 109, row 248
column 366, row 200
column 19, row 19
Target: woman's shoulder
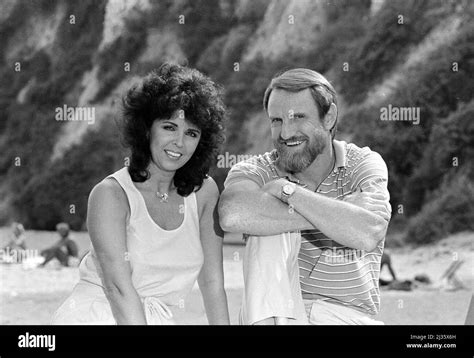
column 109, row 186
column 109, row 193
column 208, row 193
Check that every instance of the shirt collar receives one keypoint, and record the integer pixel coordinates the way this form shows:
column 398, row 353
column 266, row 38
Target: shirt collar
column 340, row 149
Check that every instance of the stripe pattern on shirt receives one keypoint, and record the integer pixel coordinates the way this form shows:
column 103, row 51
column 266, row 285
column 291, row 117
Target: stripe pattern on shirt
column 329, row 271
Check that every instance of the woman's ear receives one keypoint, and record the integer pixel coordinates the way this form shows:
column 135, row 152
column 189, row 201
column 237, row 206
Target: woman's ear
column 330, row 117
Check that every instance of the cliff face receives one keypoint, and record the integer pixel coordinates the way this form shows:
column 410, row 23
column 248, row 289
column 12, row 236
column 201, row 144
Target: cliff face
column 86, row 54
column 287, row 27
column 279, row 27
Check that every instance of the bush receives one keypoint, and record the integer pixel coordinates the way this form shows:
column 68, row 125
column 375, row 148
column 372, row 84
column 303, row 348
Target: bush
column 386, row 44
column 451, row 143
column 418, row 155
column 448, row 212
column 125, row 48
column 204, row 21
column 335, row 9
column 47, row 199
column 210, row 60
column 251, row 11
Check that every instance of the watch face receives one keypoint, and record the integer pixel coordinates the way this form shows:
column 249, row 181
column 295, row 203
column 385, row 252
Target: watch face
column 288, row 189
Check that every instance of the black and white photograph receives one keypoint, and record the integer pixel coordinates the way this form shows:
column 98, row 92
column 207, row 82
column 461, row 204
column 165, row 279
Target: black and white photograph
column 237, row 163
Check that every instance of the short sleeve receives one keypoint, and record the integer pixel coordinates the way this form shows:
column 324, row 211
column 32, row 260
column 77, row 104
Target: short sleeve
column 371, row 175
column 251, row 169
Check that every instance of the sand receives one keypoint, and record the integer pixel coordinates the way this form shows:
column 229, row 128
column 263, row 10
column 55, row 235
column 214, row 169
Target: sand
column 30, row 296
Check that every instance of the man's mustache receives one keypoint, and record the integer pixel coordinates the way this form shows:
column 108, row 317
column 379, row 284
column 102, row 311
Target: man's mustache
column 292, row 139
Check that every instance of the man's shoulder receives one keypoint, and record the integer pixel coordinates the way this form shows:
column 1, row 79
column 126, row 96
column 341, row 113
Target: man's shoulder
column 364, row 166
column 258, row 168
column 356, row 155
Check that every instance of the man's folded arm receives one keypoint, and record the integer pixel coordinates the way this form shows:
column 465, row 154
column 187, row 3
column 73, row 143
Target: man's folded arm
column 349, row 224
column 245, row 208
column 360, row 220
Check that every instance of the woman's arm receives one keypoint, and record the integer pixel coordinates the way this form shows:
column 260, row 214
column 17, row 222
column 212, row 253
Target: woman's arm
column 211, row 277
column 106, row 221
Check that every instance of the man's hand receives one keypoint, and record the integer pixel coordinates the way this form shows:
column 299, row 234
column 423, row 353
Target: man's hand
column 371, row 199
column 375, row 202
column 274, row 187
column 245, row 207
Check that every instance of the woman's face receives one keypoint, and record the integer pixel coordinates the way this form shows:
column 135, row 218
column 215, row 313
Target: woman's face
column 173, row 141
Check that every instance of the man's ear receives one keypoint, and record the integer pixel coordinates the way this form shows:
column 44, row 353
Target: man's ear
column 330, row 117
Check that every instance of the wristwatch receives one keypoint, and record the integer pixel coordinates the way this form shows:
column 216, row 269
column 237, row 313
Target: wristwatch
column 287, row 191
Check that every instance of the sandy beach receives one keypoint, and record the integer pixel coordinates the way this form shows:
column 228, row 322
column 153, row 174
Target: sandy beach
column 30, row 296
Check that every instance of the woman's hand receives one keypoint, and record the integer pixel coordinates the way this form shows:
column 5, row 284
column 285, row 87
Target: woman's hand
column 211, row 277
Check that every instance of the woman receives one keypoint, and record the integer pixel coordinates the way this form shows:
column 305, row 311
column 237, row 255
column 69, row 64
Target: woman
column 152, row 224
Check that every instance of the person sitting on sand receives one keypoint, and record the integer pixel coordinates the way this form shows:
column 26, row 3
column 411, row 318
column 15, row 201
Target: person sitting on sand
column 152, row 224
column 18, row 238
column 302, row 203
column 16, row 245
column 63, row 249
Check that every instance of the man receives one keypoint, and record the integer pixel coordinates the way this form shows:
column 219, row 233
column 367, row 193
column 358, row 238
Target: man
column 63, row 249
column 331, row 192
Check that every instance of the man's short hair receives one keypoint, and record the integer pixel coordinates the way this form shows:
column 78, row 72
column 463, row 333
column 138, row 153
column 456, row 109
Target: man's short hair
column 298, row 79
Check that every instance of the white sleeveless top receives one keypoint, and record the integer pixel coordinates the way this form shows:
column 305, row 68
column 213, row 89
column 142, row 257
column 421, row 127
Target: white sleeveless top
column 165, row 264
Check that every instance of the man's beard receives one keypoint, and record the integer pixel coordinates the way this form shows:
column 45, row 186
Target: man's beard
column 295, row 161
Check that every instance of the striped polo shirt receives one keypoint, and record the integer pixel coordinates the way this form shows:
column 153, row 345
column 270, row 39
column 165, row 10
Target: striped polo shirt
column 330, row 271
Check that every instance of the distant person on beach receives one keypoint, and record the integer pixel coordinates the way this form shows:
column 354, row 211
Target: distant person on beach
column 387, row 261
column 62, row 250
column 316, row 209
column 18, row 238
column 152, row 224
column 13, row 251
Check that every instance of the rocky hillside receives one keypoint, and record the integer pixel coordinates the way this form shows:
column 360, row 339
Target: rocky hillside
column 403, row 54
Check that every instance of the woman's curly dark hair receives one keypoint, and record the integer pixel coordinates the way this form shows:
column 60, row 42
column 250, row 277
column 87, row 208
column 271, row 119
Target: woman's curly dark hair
column 161, row 93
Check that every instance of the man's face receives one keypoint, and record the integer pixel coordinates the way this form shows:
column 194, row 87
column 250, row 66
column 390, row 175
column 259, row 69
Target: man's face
column 297, row 132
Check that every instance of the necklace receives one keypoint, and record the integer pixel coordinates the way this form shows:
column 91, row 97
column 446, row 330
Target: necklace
column 163, row 197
